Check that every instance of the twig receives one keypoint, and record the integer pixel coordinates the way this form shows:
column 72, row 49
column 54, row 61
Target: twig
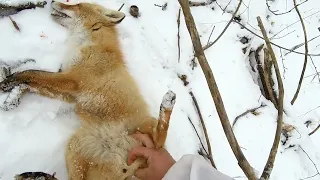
column 283, row 35
column 224, row 9
column 303, row 115
column 178, row 22
column 203, row 126
column 293, row 24
column 121, row 7
column 284, row 68
column 195, row 4
column 301, row 44
column 277, row 14
column 198, row 137
column 210, row 34
column 246, row 112
column 305, row 56
column 209, row 44
column 315, row 68
column 273, row 152
column 312, row 163
column 14, row 24
column 274, row 43
column 225, row 28
column 316, row 129
column 242, row 161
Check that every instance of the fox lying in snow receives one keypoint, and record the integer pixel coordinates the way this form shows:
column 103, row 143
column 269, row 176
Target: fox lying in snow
column 106, row 97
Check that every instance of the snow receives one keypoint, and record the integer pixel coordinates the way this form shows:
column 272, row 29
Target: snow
column 33, row 135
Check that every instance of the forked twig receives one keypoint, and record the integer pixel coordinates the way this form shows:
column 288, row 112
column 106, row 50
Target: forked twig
column 203, row 127
column 246, row 112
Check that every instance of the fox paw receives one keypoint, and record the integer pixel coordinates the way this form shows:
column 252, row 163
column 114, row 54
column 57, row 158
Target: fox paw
column 13, row 99
column 8, row 84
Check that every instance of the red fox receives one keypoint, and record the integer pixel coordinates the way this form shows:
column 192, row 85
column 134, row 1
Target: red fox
column 106, row 97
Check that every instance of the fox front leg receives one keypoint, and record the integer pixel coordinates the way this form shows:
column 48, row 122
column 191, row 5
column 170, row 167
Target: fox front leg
column 49, row 84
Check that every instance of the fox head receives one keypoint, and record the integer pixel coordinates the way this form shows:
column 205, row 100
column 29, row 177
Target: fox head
column 85, row 15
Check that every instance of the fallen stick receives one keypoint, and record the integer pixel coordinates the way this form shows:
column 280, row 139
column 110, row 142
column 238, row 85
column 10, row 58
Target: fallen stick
column 242, row 161
column 273, row 152
column 7, row 10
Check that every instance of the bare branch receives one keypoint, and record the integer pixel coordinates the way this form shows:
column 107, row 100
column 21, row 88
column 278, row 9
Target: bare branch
column 246, row 112
column 301, row 44
column 305, row 56
column 203, row 127
column 293, row 24
column 272, row 42
column 225, row 28
column 242, row 161
column 273, row 152
column 277, row 14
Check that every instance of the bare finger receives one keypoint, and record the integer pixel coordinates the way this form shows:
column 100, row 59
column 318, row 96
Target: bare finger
column 145, row 139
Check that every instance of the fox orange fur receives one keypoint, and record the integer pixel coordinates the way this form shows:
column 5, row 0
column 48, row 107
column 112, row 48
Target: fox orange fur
column 106, row 97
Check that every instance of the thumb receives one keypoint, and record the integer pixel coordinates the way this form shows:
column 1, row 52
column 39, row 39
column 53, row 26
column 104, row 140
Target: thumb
column 141, row 173
column 138, row 152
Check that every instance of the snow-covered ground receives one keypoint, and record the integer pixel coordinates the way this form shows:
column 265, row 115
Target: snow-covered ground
column 33, row 136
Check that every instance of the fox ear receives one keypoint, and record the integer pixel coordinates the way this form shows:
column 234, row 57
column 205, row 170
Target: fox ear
column 114, row 16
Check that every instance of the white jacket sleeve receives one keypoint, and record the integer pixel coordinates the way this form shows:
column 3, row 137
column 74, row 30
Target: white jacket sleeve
column 193, row 167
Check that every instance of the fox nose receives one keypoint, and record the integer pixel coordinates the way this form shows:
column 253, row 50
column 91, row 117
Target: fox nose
column 53, row 1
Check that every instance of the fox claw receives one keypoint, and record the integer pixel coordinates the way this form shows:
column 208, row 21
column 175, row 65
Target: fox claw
column 8, row 84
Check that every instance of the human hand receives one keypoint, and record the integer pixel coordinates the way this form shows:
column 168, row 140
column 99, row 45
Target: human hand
column 159, row 160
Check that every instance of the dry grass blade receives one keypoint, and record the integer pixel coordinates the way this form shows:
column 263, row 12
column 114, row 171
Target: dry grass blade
column 242, row 161
column 203, row 127
column 312, row 163
column 305, row 56
column 273, row 152
column 178, row 22
column 14, row 23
